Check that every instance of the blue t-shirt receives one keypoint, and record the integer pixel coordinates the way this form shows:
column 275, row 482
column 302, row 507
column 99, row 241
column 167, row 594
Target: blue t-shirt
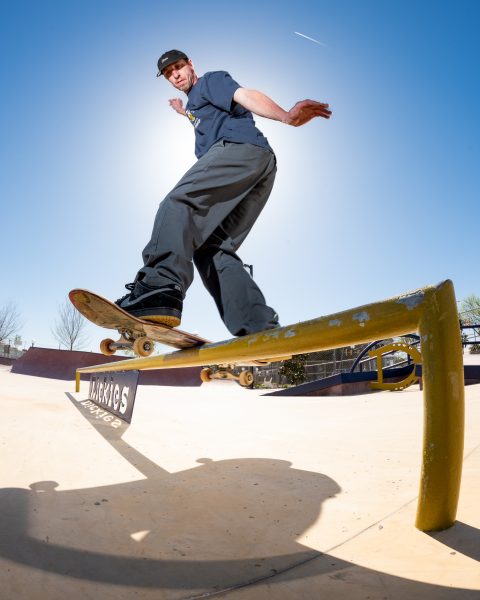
column 215, row 116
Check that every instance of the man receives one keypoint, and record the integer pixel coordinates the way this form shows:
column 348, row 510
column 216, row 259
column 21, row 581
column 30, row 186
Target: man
column 208, row 214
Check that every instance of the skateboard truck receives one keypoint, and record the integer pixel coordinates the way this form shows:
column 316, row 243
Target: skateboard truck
column 226, row 371
column 245, row 378
column 141, row 345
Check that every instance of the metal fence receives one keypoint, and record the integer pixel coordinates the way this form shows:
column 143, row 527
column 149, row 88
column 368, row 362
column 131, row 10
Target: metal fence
column 269, row 376
column 470, row 327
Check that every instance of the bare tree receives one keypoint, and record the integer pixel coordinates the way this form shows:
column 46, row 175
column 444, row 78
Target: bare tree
column 9, row 321
column 69, row 327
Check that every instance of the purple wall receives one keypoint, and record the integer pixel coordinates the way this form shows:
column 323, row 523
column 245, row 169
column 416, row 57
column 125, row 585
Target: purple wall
column 62, row 364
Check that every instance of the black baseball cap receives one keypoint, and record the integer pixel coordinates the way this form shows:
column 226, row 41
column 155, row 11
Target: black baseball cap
column 169, row 58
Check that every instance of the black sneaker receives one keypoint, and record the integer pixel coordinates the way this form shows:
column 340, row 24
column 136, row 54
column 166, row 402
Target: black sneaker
column 161, row 305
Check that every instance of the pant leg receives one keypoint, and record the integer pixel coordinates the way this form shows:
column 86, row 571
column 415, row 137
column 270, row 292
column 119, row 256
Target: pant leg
column 239, row 300
column 206, row 195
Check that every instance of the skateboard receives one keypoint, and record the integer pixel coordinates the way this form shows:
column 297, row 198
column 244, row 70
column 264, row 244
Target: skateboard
column 140, row 335
column 136, row 334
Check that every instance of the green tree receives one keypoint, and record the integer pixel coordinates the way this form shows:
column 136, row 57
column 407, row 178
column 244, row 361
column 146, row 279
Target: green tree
column 470, row 315
column 470, row 310
column 294, row 369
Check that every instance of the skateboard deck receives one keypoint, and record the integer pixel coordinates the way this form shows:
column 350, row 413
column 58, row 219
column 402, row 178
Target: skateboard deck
column 135, row 333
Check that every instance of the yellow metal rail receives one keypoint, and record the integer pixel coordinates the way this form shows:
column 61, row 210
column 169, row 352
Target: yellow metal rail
column 432, row 311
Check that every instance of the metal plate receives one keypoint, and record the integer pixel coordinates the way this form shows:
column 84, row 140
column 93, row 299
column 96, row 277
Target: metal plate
column 114, row 392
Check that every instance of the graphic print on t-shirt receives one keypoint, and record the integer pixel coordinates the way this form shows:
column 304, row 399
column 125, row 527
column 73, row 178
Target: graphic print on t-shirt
column 195, row 121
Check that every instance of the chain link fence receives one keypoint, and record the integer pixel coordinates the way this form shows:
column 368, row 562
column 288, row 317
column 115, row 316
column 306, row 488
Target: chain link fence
column 320, row 365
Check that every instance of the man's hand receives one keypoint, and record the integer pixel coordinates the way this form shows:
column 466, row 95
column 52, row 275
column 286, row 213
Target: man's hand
column 177, row 106
column 306, row 110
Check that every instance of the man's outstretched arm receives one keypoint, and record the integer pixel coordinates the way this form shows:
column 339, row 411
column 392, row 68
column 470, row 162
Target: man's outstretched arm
column 263, row 106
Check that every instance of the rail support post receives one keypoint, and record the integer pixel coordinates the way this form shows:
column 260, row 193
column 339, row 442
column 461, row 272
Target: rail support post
column 443, row 395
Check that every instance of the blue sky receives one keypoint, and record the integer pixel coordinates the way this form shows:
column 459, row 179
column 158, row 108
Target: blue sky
column 381, row 199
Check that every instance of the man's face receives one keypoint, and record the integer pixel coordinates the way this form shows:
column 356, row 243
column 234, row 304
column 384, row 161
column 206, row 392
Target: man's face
column 181, row 75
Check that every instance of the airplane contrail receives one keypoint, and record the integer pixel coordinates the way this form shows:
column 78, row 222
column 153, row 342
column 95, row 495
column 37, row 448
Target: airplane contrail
column 309, row 38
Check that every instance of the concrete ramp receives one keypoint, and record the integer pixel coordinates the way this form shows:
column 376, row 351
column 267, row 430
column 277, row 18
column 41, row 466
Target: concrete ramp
column 220, row 491
column 62, row 364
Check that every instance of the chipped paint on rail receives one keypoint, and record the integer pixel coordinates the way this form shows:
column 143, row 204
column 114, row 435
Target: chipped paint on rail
column 272, row 333
column 361, row 317
column 412, row 300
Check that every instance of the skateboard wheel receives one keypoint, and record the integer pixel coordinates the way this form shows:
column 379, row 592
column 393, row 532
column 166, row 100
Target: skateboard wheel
column 143, row 346
column 206, row 375
column 105, row 347
column 245, row 378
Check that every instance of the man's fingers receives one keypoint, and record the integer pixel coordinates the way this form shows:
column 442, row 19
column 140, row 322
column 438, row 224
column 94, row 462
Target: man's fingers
column 315, row 111
column 316, row 107
column 306, row 110
column 308, row 116
column 310, row 108
column 306, row 103
column 305, row 118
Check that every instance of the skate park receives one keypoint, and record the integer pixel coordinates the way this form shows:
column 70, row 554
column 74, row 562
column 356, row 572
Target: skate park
column 216, row 490
column 352, row 483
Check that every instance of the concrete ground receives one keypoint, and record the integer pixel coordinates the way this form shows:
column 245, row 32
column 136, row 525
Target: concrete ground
column 218, row 491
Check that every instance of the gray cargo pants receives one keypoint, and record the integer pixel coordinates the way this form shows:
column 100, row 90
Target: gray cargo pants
column 204, row 220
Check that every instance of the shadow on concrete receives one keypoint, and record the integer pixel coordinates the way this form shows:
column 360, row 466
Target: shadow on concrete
column 461, row 538
column 222, row 525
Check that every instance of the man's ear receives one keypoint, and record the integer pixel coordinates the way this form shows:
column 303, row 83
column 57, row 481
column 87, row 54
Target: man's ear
column 191, row 63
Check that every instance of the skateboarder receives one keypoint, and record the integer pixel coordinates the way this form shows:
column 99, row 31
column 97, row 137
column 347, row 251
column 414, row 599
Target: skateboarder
column 208, row 214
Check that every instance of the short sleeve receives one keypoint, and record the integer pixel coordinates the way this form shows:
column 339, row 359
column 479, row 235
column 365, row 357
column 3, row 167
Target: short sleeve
column 219, row 88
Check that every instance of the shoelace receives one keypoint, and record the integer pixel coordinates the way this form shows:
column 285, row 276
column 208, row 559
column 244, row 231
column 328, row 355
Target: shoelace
column 128, row 286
